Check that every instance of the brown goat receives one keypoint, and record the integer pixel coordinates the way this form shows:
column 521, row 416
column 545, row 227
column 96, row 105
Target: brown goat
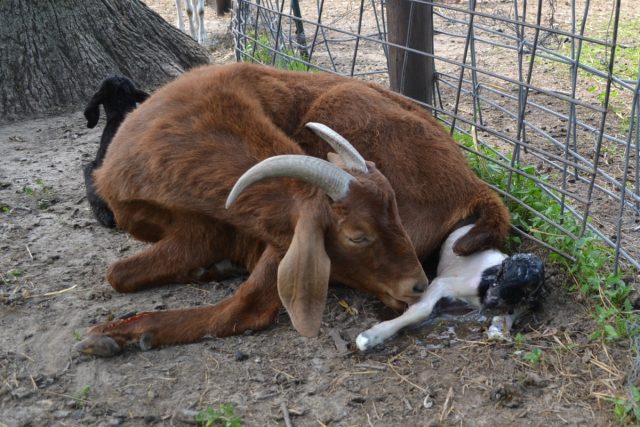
column 175, row 159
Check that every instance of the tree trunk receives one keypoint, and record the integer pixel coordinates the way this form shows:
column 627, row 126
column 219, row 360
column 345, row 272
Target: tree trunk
column 411, row 25
column 54, row 54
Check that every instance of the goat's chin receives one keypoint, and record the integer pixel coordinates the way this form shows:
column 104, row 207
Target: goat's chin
column 398, row 305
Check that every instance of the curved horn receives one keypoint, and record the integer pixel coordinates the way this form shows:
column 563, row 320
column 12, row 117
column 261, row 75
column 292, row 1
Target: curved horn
column 352, row 159
column 333, row 180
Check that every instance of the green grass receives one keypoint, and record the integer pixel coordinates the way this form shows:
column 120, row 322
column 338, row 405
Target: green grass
column 10, row 276
column 625, row 66
column 39, row 187
column 259, row 50
column 627, row 52
column 533, row 357
column 627, row 408
column 81, row 397
column 591, row 273
column 224, row 416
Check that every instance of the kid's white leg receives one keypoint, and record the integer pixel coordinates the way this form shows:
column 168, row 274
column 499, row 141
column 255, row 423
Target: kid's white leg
column 417, row 312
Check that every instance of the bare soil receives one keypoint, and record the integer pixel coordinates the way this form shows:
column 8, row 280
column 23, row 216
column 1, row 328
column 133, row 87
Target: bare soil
column 53, row 257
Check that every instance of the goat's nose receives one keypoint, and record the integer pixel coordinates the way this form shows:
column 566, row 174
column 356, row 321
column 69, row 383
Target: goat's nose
column 420, row 287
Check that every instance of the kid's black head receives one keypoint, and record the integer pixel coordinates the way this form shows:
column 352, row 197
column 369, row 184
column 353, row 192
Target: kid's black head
column 516, row 281
column 118, row 94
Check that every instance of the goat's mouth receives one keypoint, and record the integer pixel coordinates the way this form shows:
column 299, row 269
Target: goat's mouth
column 399, row 302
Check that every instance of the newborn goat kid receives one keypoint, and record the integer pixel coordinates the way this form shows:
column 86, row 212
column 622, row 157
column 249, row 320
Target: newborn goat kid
column 489, row 280
column 119, row 96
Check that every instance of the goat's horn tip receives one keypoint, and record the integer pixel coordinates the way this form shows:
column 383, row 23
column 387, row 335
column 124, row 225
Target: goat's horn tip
column 313, row 125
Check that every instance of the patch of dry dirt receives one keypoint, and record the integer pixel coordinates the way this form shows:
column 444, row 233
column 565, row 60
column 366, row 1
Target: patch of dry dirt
column 52, row 287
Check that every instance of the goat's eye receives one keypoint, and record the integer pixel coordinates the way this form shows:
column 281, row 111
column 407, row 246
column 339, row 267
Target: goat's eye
column 359, row 240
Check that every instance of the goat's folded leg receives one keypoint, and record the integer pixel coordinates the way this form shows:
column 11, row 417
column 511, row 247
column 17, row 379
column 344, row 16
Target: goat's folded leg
column 188, row 250
column 254, row 306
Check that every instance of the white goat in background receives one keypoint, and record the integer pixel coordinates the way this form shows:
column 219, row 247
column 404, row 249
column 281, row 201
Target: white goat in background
column 196, row 23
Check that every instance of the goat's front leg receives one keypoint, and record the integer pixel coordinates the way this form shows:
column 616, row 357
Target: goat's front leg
column 179, row 19
column 254, row 306
column 416, row 313
column 190, row 10
column 200, row 11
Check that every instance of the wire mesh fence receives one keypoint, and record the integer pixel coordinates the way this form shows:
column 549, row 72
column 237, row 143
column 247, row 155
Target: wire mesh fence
column 544, row 95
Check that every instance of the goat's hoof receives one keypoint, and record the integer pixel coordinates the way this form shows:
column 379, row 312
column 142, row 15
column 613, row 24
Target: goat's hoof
column 98, row 345
column 145, row 342
column 497, row 334
column 365, row 342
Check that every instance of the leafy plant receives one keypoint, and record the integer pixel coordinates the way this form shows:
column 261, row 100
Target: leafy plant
column 533, row 357
column 82, row 396
column 627, row 408
column 224, row 416
column 519, row 340
column 39, row 187
column 11, row 276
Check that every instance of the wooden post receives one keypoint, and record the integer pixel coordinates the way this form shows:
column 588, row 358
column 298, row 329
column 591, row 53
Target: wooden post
column 411, row 25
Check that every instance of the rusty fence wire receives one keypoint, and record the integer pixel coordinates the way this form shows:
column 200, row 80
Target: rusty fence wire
column 544, row 92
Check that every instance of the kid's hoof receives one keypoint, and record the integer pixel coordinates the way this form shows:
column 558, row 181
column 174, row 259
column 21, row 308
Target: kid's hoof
column 98, row 345
column 366, row 341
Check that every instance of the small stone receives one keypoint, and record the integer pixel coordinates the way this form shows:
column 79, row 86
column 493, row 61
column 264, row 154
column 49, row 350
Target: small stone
column 115, row 421
column 62, row 413
column 21, row 393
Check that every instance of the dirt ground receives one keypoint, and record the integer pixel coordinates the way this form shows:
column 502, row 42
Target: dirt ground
column 53, row 258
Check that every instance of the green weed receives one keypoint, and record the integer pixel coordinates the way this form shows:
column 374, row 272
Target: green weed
column 533, row 357
column 38, row 187
column 258, row 49
column 627, row 408
column 10, row 276
column 82, row 396
column 224, row 416
column 519, row 340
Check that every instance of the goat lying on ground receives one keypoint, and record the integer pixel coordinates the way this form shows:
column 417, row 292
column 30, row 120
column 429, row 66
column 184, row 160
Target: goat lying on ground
column 487, row 279
column 196, row 23
column 119, row 96
column 175, row 159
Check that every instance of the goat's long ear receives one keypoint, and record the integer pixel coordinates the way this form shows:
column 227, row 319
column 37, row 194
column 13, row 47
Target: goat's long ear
column 92, row 111
column 303, row 276
column 140, row 95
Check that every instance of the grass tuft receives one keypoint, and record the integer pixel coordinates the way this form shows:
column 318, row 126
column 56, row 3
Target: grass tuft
column 224, row 416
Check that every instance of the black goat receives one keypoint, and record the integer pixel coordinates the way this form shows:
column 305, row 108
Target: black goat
column 119, row 96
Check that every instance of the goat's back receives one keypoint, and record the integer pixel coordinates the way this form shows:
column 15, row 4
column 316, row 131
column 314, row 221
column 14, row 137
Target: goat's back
column 185, row 146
